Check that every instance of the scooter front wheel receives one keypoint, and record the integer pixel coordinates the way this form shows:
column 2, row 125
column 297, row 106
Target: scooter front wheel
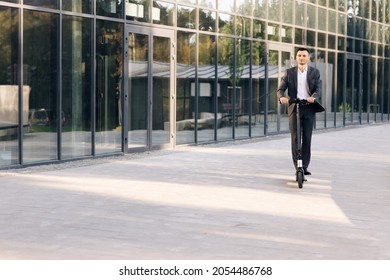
column 300, row 178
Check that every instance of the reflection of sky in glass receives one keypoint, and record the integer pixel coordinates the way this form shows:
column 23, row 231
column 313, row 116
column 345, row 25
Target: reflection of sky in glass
column 224, row 17
column 226, row 5
column 207, row 3
column 240, row 3
column 187, row 1
column 168, row 6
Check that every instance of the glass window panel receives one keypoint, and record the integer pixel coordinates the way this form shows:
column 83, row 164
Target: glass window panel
column 358, row 46
column 350, row 27
column 343, row 5
column 373, row 32
column 12, row 1
column 300, row 16
column 243, row 27
column 374, row 14
column 161, row 85
column 366, row 30
column 244, row 7
column 359, row 27
column 366, row 47
column 387, row 52
column 381, row 7
column 287, row 11
column 40, row 60
column 321, row 40
column 367, row 34
column 332, row 4
column 206, row 102
column 108, row 81
column 226, row 24
column 381, row 32
column 341, row 43
column 300, row 36
column 206, row 52
column 387, row 36
column 365, row 87
column 365, row 8
column 372, row 93
column 311, row 16
column 109, row 8
column 320, row 57
column 259, row 53
column 53, row 4
column 311, row 38
column 350, row 45
column 324, row 68
column 322, row 21
column 332, row 42
column 137, row 104
column 286, row 34
column 260, row 9
column 9, row 89
column 186, row 17
column 83, row 6
column 386, row 88
column 186, row 51
column 273, row 32
column 274, row 10
column 207, row 20
column 226, row 5
column 332, row 21
column 226, row 83
column 373, row 49
column 242, row 89
column 341, row 24
column 322, row 2
column 208, row 3
column 162, row 13
column 277, row 62
column 137, row 10
column 329, row 99
column 259, row 28
column 380, row 50
column 76, row 86
column 193, row 2
column 339, row 92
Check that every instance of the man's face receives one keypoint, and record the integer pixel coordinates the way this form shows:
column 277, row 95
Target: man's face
column 303, row 57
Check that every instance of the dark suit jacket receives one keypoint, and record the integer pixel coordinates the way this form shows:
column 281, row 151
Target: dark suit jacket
column 290, row 82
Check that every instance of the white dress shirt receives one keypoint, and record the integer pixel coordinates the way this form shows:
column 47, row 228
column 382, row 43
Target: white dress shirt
column 303, row 89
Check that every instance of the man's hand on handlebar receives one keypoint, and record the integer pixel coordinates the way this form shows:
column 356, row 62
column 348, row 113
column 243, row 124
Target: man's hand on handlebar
column 283, row 100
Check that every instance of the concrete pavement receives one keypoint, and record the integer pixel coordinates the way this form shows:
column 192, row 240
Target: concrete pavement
column 221, row 201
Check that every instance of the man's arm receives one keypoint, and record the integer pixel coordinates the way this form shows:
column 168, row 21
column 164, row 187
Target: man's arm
column 317, row 88
column 282, row 88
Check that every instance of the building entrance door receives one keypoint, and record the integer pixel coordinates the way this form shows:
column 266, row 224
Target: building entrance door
column 150, row 96
column 353, row 98
column 279, row 60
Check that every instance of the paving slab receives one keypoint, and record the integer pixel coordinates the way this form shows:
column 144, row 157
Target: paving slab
column 234, row 200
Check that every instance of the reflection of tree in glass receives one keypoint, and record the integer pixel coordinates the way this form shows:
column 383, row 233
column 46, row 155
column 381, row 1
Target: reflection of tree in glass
column 186, row 17
column 206, row 49
column 9, row 53
column 206, row 20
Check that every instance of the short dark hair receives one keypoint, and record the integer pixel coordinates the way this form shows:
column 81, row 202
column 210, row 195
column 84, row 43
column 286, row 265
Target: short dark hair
column 302, row 49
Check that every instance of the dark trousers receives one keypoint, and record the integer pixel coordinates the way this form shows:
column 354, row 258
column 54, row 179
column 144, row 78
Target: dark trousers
column 307, row 123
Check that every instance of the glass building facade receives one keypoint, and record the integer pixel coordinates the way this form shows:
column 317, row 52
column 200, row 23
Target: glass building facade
column 82, row 78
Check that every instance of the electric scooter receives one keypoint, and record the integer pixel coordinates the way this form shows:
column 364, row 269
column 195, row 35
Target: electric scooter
column 300, row 174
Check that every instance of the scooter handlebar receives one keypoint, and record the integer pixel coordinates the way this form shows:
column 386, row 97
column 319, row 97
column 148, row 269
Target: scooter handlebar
column 300, row 101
